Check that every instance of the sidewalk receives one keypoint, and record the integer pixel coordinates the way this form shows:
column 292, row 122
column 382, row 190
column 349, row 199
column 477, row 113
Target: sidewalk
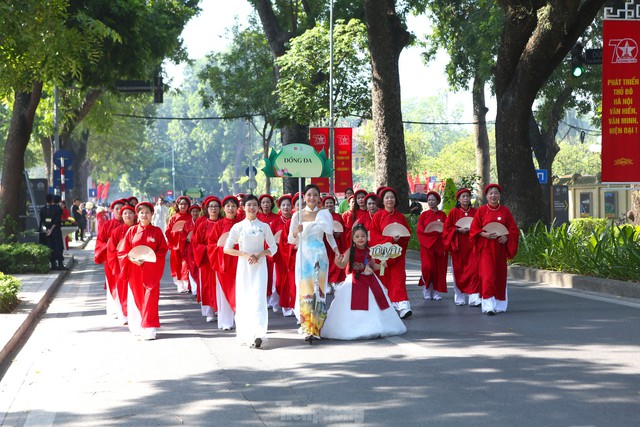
column 37, row 290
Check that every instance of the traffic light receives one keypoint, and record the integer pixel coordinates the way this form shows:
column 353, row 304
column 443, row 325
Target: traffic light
column 577, row 60
column 158, row 90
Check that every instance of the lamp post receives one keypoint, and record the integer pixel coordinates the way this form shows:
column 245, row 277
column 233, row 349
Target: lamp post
column 332, row 189
column 173, row 170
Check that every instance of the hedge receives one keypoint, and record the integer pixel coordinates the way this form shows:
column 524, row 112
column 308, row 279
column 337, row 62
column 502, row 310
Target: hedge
column 9, row 288
column 18, row 258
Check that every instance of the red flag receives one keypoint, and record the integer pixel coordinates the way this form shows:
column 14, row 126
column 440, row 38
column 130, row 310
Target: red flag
column 342, row 142
column 99, row 192
column 319, row 140
column 620, row 96
column 105, row 190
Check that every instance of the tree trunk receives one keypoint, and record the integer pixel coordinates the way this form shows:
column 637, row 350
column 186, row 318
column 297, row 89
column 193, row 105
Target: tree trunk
column 24, row 110
column 545, row 146
column 387, row 37
column 635, row 208
column 481, row 136
column 535, row 39
column 47, row 155
column 80, row 166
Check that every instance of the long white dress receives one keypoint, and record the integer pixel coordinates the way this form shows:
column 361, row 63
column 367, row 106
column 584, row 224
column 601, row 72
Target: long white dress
column 345, row 323
column 251, row 279
column 312, row 269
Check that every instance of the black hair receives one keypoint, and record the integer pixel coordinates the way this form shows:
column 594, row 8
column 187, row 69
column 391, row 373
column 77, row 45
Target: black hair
column 309, row 187
column 352, row 251
column 251, row 197
column 49, row 198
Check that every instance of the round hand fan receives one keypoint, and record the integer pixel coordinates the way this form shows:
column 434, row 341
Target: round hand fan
column 337, row 227
column 276, row 236
column 120, row 245
column 395, row 229
column 142, row 253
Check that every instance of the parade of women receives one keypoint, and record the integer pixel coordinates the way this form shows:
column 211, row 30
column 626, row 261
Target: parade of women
column 335, row 276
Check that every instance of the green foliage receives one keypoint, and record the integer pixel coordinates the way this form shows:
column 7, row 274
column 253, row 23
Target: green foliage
column 9, row 288
column 303, row 86
column 576, row 158
column 449, row 197
column 414, row 244
column 586, row 226
column 586, row 247
column 8, row 230
column 19, row 258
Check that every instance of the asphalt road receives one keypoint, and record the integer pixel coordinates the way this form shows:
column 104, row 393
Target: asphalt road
column 557, row 358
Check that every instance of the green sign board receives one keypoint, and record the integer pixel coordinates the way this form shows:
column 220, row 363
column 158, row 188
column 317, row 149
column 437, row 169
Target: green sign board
column 297, row 161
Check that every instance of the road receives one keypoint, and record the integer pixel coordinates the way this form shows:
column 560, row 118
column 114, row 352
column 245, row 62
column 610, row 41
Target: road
column 557, row 358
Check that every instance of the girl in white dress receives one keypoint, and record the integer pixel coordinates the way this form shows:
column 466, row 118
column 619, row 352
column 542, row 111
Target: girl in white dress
column 361, row 308
column 250, row 235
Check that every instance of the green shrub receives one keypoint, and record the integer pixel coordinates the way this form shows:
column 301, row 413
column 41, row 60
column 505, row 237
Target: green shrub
column 413, row 241
column 587, row 226
column 16, row 258
column 590, row 248
column 9, row 288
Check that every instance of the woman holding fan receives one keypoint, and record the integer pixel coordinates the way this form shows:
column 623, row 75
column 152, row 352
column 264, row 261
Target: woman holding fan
column 390, row 226
column 142, row 259
column 456, row 239
column 494, row 236
column 433, row 255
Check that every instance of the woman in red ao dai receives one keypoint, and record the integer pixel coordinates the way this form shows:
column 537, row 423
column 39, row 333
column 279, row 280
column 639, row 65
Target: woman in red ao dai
column 463, row 259
column 493, row 250
column 433, row 255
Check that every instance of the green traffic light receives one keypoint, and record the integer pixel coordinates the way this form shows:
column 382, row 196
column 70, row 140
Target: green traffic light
column 578, row 71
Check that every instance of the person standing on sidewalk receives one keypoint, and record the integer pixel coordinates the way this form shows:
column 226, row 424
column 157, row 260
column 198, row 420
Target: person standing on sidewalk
column 143, row 277
column 51, row 232
column 78, row 216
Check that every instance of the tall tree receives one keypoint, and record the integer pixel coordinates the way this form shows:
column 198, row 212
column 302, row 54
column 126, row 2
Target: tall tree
column 242, row 83
column 535, row 39
column 39, row 45
column 388, row 35
column 468, row 30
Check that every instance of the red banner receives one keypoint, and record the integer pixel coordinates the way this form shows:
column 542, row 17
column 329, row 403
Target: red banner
column 319, row 139
column 621, row 95
column 343, row 145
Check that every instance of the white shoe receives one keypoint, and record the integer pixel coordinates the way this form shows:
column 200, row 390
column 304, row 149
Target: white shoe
column 426, row 293
column 436, row 296
column 287, row 312
column 405, row 313
column 276, row 308
column 148, row 334
column 209, row 319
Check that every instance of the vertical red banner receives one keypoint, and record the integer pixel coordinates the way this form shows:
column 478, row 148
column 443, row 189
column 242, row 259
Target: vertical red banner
column 319, row 139
column 343, row 145
column 621, row 94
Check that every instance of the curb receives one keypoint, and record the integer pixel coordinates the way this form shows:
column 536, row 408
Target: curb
column 33, row 315
column 566, row 280
column 557, row 279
